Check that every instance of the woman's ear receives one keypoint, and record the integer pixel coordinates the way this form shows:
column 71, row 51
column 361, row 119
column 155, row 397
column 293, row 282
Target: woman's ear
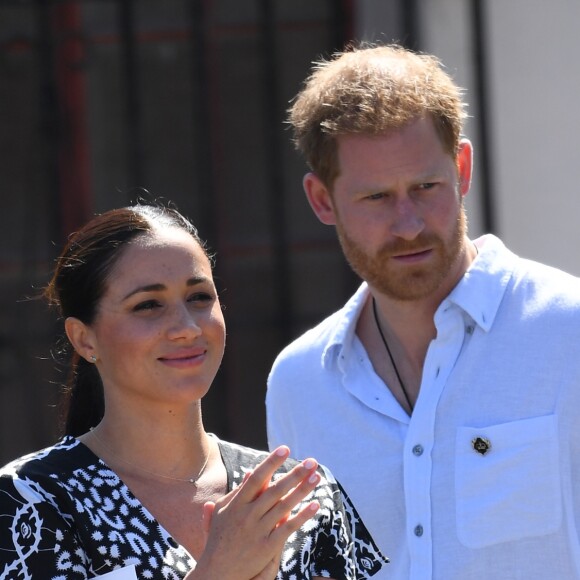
column 82, row 338
column 319, row 198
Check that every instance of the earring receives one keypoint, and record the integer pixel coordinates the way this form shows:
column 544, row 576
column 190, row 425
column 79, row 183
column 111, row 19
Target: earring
column 93, row 358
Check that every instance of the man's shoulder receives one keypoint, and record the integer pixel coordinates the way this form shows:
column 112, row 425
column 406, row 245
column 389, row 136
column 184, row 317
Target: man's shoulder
column 313, row 340
column 535, row 285
column 310, row 345
column 548, row 286
column 301, row 360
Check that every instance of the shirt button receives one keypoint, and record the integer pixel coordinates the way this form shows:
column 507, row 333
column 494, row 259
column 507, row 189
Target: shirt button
column 418, row 530
column 469, row 330
column 418, row 450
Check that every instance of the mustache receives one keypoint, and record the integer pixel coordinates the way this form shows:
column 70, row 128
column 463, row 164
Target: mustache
column 419, row 244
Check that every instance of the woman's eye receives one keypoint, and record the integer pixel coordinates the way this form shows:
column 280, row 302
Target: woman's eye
column 146, row 305
column 201, row 297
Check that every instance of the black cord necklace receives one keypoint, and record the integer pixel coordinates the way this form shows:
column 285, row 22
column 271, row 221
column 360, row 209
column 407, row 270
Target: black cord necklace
column 403, row 388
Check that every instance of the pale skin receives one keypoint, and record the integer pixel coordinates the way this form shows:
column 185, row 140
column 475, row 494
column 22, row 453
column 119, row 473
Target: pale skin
column 158, row 340
column 395, row 189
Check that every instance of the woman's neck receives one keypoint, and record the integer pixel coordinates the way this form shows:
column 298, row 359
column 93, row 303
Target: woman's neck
column 172, row 446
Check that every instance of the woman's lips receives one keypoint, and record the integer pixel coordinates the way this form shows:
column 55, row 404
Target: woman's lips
column 184, row 358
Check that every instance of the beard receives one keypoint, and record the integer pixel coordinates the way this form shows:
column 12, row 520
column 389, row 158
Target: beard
column 407, row 282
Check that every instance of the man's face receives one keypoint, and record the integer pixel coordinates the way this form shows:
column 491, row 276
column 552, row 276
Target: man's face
column 398, row 209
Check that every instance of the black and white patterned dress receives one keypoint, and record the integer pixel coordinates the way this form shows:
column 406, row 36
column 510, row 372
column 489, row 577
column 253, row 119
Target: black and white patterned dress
column 65, row 515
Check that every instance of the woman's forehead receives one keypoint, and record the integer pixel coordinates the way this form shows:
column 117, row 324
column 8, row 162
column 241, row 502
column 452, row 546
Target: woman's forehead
column 168, row 254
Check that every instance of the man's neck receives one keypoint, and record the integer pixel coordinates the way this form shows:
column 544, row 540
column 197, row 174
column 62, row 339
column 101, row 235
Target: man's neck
column 408, row 327
column 410, row 324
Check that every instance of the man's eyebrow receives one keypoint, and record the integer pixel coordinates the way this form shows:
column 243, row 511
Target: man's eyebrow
column 160, row 287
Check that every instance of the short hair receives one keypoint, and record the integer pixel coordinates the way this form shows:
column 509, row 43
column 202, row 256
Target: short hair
column 372, row 90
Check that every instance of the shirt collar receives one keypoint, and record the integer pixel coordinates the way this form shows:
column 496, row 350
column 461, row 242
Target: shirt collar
column 481, row 289
column 342, row 334
column 479, row 293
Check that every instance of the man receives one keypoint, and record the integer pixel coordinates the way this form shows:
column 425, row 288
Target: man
column 444, row 394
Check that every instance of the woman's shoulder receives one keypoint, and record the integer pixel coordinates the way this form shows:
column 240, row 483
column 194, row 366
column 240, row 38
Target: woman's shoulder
column 243, row 459
column 52, row 467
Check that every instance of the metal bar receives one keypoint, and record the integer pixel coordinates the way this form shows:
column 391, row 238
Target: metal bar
column 342, row 22
column 410, row 24
column 69, row 70
column 479, row 35
column 135, row 151
column 284, row 312
column 204, row 188
column 49, row 116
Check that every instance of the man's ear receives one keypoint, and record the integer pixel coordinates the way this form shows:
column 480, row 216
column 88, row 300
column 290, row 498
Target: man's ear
column 81, row 337
column 464, row 165
column 319, row 198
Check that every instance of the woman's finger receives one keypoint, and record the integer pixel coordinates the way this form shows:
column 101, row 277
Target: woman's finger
column 289, row 489
column 262, row 474
column 290, row 500
column 293, row 522
column 208, row 509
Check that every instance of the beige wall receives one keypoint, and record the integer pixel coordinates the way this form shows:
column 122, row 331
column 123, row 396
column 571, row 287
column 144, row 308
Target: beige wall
column 535, row 52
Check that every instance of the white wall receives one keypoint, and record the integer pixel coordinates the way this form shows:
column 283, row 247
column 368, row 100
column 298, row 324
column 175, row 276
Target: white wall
column 535, row 57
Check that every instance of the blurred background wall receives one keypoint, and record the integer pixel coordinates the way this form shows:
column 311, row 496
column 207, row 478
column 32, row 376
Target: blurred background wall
column 103, row 102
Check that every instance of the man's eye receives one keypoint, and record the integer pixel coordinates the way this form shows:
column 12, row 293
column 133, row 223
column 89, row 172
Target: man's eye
column 427, row 186
column 379, row 195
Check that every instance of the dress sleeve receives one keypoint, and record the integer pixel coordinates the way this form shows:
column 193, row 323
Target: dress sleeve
column 344, row 548
column 36, row 540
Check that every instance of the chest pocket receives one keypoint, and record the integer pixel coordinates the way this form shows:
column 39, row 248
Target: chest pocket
column 507, row 480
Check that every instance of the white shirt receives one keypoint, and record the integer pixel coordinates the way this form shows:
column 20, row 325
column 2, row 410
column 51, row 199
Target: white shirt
column 504, row 368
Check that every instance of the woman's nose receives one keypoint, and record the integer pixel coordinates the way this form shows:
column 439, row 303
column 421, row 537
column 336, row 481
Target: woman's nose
column 183, row 324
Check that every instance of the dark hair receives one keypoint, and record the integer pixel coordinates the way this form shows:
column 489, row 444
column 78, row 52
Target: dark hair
column 78, row 284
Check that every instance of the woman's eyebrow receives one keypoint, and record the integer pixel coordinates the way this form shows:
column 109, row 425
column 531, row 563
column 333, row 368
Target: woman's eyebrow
column 158, row 287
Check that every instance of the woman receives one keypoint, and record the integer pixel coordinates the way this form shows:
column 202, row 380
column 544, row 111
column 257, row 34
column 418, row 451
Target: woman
column 137, row 488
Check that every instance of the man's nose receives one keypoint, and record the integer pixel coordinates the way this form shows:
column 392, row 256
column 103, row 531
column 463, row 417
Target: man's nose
column 407, row 223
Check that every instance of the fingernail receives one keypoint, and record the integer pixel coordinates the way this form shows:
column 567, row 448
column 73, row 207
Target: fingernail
column 314, row 478
column 281, row 451
column 314, row 506
column 309, row 463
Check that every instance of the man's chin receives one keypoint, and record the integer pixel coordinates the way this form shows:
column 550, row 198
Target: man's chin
column 410, row 289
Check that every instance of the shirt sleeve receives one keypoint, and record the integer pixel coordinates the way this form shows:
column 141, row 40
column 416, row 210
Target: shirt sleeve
column 36, row 540
column 344, row 548
column 367, row 556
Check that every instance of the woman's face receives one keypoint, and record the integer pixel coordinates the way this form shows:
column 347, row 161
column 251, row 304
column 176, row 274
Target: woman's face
column 159, row 332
